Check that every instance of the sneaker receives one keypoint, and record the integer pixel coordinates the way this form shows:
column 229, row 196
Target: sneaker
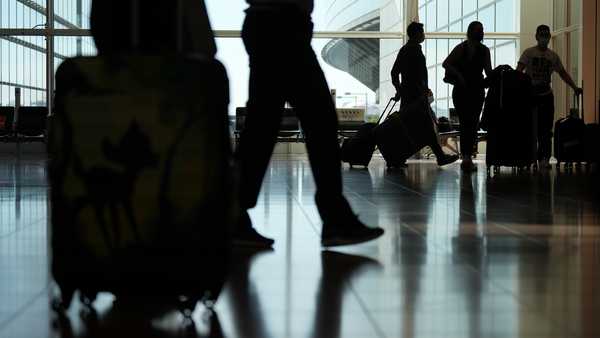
column 247, row 237
column 447, row 159
column 352, row 232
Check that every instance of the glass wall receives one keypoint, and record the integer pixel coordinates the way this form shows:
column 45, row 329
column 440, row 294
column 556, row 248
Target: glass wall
column 23, row 65
column 454, row 16
column 23, row 58
column 566, row 43
column 357, row 67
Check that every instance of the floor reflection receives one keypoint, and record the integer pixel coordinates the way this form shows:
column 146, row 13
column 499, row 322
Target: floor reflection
column 337, row 272
column 511, row 255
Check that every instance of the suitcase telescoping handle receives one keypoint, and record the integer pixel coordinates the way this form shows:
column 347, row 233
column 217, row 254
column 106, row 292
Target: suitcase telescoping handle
column 387, row 112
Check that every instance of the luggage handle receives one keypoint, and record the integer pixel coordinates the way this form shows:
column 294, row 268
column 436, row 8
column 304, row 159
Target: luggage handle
column 578, row 106
column 385, row 112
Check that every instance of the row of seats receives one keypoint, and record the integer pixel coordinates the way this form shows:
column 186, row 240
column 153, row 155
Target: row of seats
column 31, row 124
column 291, row 131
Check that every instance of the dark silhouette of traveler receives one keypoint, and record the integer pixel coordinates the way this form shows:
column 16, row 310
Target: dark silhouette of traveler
column 158, row 30
column 539, row 62
column 291, row 73
column 464, row 67
column 411, row 64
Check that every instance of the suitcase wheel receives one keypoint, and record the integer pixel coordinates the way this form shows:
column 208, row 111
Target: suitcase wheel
column 87, row 298
column 187, row 306
column 58, row 306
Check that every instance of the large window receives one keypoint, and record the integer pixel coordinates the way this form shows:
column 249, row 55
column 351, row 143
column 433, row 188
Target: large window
column 566, row 43
column 356, row 42
column 23, row 46
column 501, row 23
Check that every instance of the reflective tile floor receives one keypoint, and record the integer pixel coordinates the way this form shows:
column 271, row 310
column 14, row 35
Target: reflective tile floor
column 463, row 256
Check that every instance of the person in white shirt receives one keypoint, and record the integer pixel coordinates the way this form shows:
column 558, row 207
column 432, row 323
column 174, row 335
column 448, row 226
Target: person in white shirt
column 539, row 62
column 284, row 68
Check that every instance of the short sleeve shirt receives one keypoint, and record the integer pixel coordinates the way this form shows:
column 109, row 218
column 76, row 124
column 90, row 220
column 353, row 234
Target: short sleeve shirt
column 540, row 65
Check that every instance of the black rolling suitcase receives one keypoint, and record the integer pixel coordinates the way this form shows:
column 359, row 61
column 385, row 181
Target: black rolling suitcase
column 358, row 150
column 141, row 184
column 511, row 121
column 569, row 137
column 140, row 177
column 405, row 132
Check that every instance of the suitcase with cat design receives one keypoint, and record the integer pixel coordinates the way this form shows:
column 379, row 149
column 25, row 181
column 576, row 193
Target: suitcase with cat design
column 140, row 176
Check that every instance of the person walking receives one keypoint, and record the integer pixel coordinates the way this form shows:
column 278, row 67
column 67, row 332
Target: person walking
column 464, row 68
column 411, row 65
column 291, row 73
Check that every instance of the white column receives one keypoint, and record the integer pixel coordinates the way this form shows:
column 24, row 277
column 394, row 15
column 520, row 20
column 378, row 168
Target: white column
column 533, row 14
column 412, row 11
column 50, row 55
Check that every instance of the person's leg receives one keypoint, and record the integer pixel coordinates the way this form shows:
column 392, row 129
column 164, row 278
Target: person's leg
column 461, row 110
column 545, row 124
column 442, row 158
column 258, row 138
column 309, row 94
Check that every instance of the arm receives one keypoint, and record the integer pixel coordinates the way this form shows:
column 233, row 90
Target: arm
column 523, row 62
column 562, row 72
column 396, row 76
column 569, row 80
column 487, row 66
column 450, row 65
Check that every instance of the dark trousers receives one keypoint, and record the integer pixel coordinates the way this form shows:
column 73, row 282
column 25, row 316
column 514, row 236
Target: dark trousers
column 545, row 116
column 468, row 104
column 284, row 68
column 434, row 142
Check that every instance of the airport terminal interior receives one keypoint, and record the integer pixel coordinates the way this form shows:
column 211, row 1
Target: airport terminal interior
column 490, row 253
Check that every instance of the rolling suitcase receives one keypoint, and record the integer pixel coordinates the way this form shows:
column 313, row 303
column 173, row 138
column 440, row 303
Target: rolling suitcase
column 140, row 177
column 141, row 180
column 404, row 133
column 569, row 137
column 358, row 150
column 511, row 121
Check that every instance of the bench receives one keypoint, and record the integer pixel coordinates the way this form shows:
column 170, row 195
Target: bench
column 28, row 124
column 289, row 131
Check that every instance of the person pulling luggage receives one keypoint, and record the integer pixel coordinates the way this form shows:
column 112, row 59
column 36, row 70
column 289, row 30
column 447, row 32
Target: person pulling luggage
column 411, row 65
column 539, row 62
column 291, row 74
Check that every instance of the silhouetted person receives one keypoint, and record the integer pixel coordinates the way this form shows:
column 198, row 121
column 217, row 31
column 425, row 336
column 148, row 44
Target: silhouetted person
column 291, row 73
column 159, row 27
column 466, row 65
column 411, row 64
column 539, row 62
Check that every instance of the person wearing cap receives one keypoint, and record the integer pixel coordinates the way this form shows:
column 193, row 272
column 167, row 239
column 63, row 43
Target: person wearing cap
column 290, row 72
column 539, row 62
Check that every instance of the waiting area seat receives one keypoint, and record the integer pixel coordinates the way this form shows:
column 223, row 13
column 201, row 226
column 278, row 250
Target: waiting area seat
column 290, row 130
column 25, row 124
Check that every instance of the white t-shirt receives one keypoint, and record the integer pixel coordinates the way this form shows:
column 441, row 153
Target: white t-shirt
column 306, row 5
column 540, row 65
